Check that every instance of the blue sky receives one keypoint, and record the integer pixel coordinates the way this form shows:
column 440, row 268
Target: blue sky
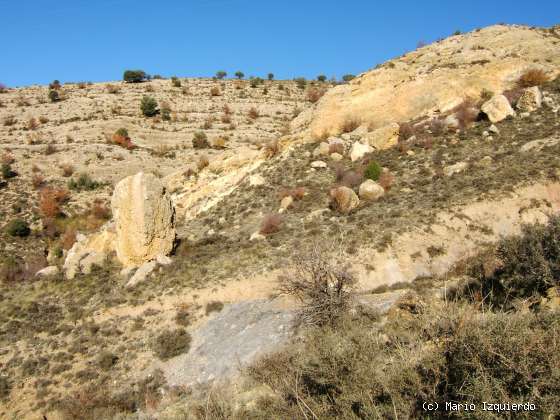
column 96, row 40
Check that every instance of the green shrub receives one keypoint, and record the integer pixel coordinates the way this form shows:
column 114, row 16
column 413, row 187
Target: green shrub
column 149, row 106
column 134, row 76
column 200, row 140
column 348, row 77
column 83, row 183
column 239, row 74
column 171, row 343
column 372, row 171
column 221, row 74
column 270, row 76
column 214, row 306
column 175, row 82
column 54, row 96
column 7, row 171
column 123, row 132
column 300, row 82
column 255, row 82
column 322, row 78
column 18, row 227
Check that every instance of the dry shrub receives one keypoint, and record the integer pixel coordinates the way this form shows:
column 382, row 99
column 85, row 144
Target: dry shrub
column 466, row 113
column 272, row 148
column 208, row 123
column 50, row 149
column 296, row 193
column 202, row 162
column 437, row 126
column 270, row 224
column 349, row 178
column 43, row 119
column 314, row 94
column 7, row 158
column 68, row 239
column 227, row 109
column 349, row 124
column 122, row 139
column 386, row 180
column 219, row 142
column 513, row 95
column 406, row 130
column 67, row 170
column 323, row 286
column 32, row 124
column 16, row 269
column 336, row 148
column 253, row 113
column 9, row 120
column 532, row 77
column 37, row 180
column 226, row 119
column 50, row 201
column 215, row 91
column 99, row 210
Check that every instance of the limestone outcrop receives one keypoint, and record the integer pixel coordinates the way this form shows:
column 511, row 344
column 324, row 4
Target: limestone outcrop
column 144, row 219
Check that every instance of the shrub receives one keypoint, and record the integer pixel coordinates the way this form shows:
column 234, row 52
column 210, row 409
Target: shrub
column 255, row 82
column 314, row 94
column 122, row 139
column 324, row 287
column 9, row 121
column 200, row 140
column 215, row 91
column 348, row 77
column 270, row 224
column 386, row 180
column 3, row 88
column 221, row 74
column 300, row 82
column 437, row 126
column 149, row 106
column 202, row 162
column 171, row 343
column 7, row 158
column 5, row 387
column 372, row 171
column 50, row 201
column 322, row 78
column 165, row 111
column 112, row 89
column 350, row 179
column 54, row 96
column 18, row 227
column 67, row 170
column 272, row 148
column 55, row 85
column 175, row 82
column 100, row 211
column 50, row 149
column 349, row 124
column 7, row 171
column 37, row 180
column 32, row 124
column 253, row 113
column 532, row 77
column 214, row 306
column 83, row 183
column 134, row 76
column 296, row 193
column 239, row 74
column 466, row 113
column 270, row 76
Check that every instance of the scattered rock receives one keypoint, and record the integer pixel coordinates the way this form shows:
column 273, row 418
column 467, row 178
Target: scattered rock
column 384, row 137
column 164, row 260
column 257, row 236
column 359, row 150
column 51, row 270
column 144, row 219
column 142, row 273
column 451, row 121
column 93, row 258
column 371, row 190
column 497, row 108
column 493, row 129
column 286, row 202
column 337, row 157
column 530, row 100
column 456, row 168
column 322, row 149
column 256, row 180
column 345, row 199
column 318, row 164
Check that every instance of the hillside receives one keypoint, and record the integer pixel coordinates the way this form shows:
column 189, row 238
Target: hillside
column 404, row 178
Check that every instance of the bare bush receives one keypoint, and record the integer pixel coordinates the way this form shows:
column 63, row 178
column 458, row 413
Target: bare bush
column 270, row 224
column 532, row 77
column 349, row 125
column 322, row 285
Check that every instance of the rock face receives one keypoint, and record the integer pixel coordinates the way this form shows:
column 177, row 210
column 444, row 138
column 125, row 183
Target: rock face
column 436, row 77
column 345, row 199
column 530, row 100
column 498, row 108
column 371, row 190
column 144, row 219
column 89, row 251
column 384, row 137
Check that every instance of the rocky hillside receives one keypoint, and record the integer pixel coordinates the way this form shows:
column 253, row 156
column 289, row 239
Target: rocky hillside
column 134, row 290
column 435, row 78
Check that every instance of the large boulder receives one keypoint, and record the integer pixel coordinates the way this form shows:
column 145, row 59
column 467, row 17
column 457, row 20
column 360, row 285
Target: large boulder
column 530, row 100
column 144, row 219
column 384, row 137
column 359, row 150
column 498, row 108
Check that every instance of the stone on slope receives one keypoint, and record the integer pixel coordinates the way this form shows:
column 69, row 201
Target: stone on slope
column 359, row 150
column 530, row 100
column 49, row 271
column 144, row 219
column 142, row 273
column 384, row 137
column 371, row 190
column 498, row 108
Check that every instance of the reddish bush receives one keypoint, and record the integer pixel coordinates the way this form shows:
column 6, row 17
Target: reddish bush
column 68, row 239
column 532, row 77
column 466, row 113
column 406, row 130
column 67, row 170
column 271, row 224
column 336, row 148
column 100, row 211
column 50, row 201
column 386, row 180
column 314, row 94
column 37, row 180
column 272, row 148
column 7, row 158
column 296, row 193
column 122, row 139
column 349, row 125
column 253, row 113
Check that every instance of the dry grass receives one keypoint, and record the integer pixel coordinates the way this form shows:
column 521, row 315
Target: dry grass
column 253, row 113
column 349, row 124
column 272, row 148
column 51, row 200
column 67, row 170
column 314, row 94
column 215, row 91
column 386, row 180
column 202, row 162
column 532, row 77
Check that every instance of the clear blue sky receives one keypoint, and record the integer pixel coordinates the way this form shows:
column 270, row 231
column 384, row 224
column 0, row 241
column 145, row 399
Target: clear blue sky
column 96, row 40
